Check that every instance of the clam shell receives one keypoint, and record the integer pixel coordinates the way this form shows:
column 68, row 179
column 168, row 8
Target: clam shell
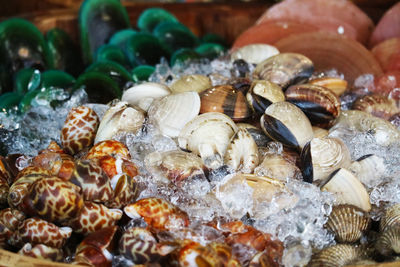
column 319, row 132
column 336, row 85
column 254, row 53
column 263, row 93
column 279, row 167
column 377, row 105
column 337, row 255
column 191, row 83
column 208, row 136
column 258, row 135
column 391, row 218
column 142, row 95
column 348, row 223
column 347, row 189
column 285, row 69
column 286, row 123
column 388, row 242
column 119, row 118
column 172, row 112
column 368, row 169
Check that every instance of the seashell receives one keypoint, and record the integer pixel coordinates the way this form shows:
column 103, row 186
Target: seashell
column 4, row 189
column 225, row 99
column 391, row 218
column 347, row 189
column 320, row 105
column 140, row 246
column 258, row 135
column 142, row 95
column 286, row 123
column 242, row 152
column 58, row 164
column 388, row 242
column 254, row 53
column 336, row 85
column 285, row 69
column 322, row 156
column 52, row 199
column 387, row 26
column 158, row 213
column 38, row 231
column 279, row 167
column 320, row 132
column 347, row 223
column 119, row 118
column 208, row 136
column 376, row 105
column 368, row 169
column 9, row 221
column 177, row 166
column 262, row 94
column 387, row 54
column 79, row 129
column 172, row 112
column 337, row 255
column 94, row 182
column 108, row 148
column 191, row 83
column 93, row 217
column 383, row 131
column 125, row 191
column 41, row 251
column 5, row 171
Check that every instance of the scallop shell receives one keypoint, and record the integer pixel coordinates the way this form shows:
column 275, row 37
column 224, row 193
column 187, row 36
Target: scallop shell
column 391, row 218
column 142, row 95
column 377, row 105
column 262, row 94
column 369, row 169
column 119, row 118
column 254, row 53
column 336, row 85
column 347, row 189
column 337, row 255
column 172, row 112
column 208, row 136
column 348, row 223
column 388, row 242
column 41, row 251
column 242, row 152
column 191, row 83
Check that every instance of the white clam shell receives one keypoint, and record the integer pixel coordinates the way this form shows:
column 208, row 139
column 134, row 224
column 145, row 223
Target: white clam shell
column 254, row 53
column 142, row 95
column 208, row 136
column 368, row 169
column 172, row 112
column 195, row 83
column 119, row 118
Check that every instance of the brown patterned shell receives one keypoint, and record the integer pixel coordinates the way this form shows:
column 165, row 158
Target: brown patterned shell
column 225, row 99
column 108, row 148
column 38, row 231
column 337, row 255
column 5, row 171
column 125, row 191
column 388, row 242
column 4, row 188
column 93, row 217
column 53, row 199
column 320, row 104
column 94, row 182
column 336, row 85
column 9, row 221
column 377, row 105
column 79, row 129
column 112, row 166
column 58, row 164
column 348, row 223
column 41, row 251
column 390, row 218
column 158, row 213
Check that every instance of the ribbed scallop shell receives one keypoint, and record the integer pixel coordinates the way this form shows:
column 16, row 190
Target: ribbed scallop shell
column 348, row 223
column 377, row 105
column 191, row 83
column 254, row 53
column 142, row 95
column 337, row 255
column 388, row 242
column 390, row 218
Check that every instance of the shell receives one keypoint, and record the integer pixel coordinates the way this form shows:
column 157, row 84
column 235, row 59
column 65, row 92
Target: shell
column 242, row 152
column 285, row 69
column 391, row 218
column 377, row 105
column 9, row 221
column 41, row 251
column 208, row 136
column 263, row 93
column 38, row 231
column 388, row 242
column 191, row 83
column 93, row 217
column 286, row 123
column 142, row 95
column 119, row 118
column 320, row 132
column 4, row 189
column 109, row 148
column 320, row 105
column 348, row 223
column 172, row 112
column 79, row 129
column 258, row 135
column 337, row 255
column 225, row 99
column 279, row 167
column 176, row 165
column 125, row 191
column 59, row 164
column 5, row 171
column 347, row 189
column 322, row 156
column 369, row 169
column 336, row 85
column 254, row 53
column 158, row 213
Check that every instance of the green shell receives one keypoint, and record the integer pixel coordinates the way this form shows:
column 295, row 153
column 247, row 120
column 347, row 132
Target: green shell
column 145, row 49
column 65, row 53
column 26, row 80
column 120, row 38
column 183, row 55
column 112, row 53
column 9, row 100
column 213, row 38
column 210, row 50
column 113, row 70
column 142, row 73
column 174, row 35
column 98, row 21
column 99, row 87
column 22, row 45
column 57, row 79
column 151, row 17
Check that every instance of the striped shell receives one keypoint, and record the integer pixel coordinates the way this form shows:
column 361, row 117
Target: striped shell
column 263, row 93
column 336, row 85
column 41, row 251
column 377, row 105
column 390, row 218
column 388, row 242
column 79, row 129
column 337, row 255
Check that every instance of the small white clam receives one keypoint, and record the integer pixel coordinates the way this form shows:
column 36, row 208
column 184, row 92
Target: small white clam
column 142, row 95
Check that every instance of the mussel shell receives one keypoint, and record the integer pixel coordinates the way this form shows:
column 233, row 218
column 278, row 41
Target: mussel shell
column 377, row 105
column 227, row 100
column 285, row 69
column 320, row 104
column 262, row 94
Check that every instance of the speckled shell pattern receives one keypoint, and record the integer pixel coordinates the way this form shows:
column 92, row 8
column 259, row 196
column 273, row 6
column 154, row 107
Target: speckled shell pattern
column 58, row 164
column 125, row 192
column 41, row 251
column 79, row 129
column 9, row 221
